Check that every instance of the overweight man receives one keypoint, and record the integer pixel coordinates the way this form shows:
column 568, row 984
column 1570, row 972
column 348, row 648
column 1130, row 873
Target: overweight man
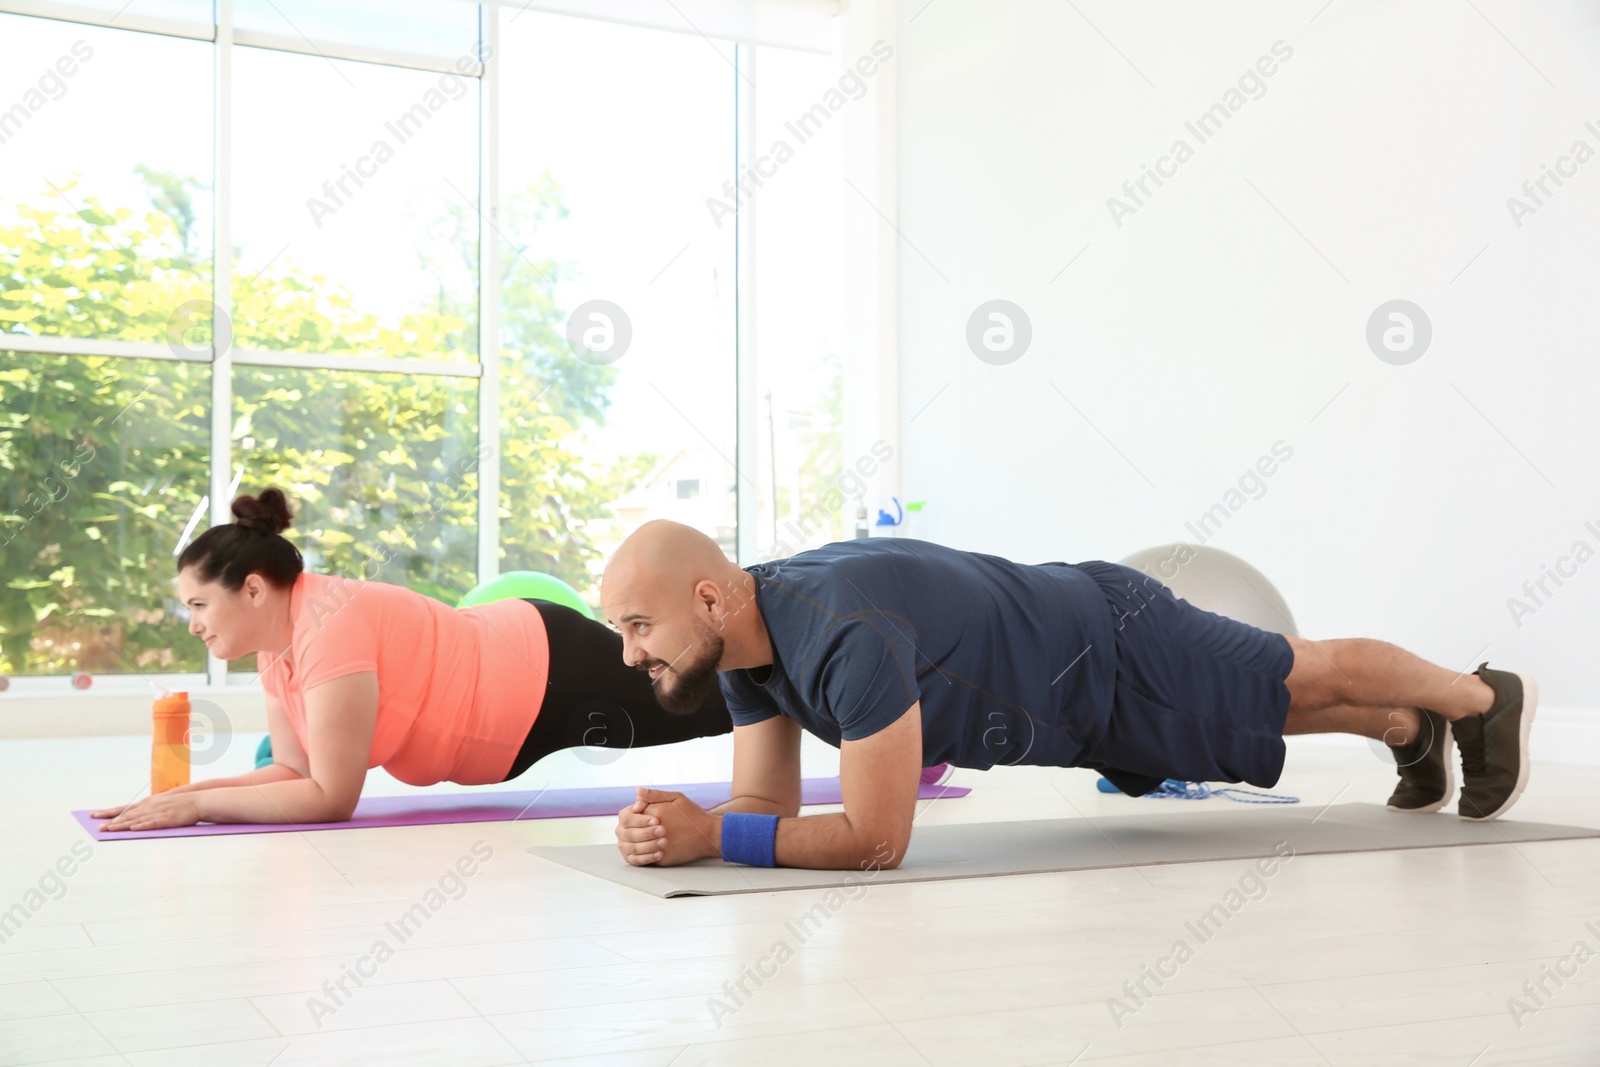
column 904, row 654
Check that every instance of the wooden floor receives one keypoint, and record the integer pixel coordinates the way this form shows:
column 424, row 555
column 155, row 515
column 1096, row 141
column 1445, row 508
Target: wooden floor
column 228, row 950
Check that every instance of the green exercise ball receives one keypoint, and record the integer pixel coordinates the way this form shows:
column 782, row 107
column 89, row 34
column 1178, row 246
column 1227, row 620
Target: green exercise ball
column 526, row 585
column 264, row 752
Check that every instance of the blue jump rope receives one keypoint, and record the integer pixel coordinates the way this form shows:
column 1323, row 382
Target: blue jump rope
column 1178, row 789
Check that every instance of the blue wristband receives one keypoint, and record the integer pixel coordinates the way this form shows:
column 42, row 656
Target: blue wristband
column 750, row 839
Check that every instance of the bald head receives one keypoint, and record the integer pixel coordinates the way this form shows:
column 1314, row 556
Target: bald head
column 685, row 611
column 663, row 559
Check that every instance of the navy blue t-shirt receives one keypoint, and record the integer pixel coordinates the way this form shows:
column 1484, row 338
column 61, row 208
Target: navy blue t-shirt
column 1013, row 663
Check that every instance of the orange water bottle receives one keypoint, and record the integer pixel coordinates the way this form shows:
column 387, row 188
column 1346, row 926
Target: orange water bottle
column 169, row 744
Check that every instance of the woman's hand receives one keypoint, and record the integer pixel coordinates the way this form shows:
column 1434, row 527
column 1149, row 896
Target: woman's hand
column 170, row 808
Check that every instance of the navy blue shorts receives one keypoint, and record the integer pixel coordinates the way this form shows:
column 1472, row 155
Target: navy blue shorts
column 1198, row 696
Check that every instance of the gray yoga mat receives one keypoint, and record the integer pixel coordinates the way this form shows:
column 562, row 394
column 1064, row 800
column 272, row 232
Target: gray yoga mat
column 981, row 850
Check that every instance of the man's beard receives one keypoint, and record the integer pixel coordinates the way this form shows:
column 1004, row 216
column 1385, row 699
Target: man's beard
column 694, row 674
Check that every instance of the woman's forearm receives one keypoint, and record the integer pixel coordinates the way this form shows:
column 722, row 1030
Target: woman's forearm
column 294, row 801
column 272, row 772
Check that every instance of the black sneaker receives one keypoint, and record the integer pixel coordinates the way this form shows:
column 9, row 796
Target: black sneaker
column 1494, row 746
column 1426, row 775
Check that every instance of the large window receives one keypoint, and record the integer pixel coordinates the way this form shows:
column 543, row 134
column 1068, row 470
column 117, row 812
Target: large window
column 383, row 470
column 368, row 227
column 610, row 246
column 105, row 188
column 806, row 498
column 105, row 464
column 357, row 216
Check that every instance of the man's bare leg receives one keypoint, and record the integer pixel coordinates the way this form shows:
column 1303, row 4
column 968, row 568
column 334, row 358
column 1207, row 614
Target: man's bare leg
column 1364, row 673
column 1394, row 726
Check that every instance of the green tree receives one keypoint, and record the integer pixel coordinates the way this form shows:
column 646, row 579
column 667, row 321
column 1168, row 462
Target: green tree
column 100, row 453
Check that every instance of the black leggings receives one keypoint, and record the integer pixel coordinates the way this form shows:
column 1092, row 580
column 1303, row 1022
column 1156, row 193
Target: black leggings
column 595, row 700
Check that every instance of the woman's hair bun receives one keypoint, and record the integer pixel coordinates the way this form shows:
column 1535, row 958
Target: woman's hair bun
column 269, row 511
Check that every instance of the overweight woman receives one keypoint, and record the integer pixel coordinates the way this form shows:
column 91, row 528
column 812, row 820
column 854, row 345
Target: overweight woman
column 361, row 674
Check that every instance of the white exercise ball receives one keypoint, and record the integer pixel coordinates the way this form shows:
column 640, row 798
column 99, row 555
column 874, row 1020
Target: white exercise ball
column 1219, row 582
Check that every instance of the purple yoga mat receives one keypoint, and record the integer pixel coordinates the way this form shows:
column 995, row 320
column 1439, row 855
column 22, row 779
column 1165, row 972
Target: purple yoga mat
column 510, row 806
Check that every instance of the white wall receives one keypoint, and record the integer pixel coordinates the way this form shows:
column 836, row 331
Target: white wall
column 1227, row 312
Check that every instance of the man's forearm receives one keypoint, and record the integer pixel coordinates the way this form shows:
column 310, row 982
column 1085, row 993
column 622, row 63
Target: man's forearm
column 824, row 843
column 294, row 801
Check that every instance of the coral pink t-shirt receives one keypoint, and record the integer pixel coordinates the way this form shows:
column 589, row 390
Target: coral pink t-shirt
column 458, row 690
